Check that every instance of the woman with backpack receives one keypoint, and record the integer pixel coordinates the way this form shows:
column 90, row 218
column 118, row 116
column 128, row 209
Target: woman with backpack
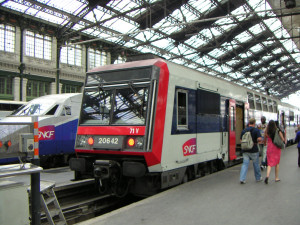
column 273, row 152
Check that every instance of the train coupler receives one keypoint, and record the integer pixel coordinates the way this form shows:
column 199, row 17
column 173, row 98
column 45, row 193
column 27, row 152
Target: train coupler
column 104, row 169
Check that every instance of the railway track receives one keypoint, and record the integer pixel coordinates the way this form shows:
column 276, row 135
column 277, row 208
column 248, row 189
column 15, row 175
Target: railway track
column 81, row 201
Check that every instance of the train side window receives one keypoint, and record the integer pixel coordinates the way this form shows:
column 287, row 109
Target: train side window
column 251, row 100
column 270, row 105
column 182, row 109
column 52, row 111
column 258, row 102
column 291, row 116
column 275, row 107
column 265, row 104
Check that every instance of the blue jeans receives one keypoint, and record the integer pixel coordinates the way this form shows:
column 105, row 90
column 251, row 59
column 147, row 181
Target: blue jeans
column 247, row 156
column 263, row 150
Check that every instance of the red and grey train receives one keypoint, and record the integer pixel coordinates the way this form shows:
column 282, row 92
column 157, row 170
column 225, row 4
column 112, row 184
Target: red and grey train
column 148, row 125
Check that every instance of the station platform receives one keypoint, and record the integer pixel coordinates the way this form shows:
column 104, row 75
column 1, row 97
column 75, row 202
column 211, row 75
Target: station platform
column 219, row 198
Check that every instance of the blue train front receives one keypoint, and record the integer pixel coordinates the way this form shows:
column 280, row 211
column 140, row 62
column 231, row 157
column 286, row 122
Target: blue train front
column 57, row 117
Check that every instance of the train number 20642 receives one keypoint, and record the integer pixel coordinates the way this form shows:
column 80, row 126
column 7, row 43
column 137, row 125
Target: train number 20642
column 107, row 140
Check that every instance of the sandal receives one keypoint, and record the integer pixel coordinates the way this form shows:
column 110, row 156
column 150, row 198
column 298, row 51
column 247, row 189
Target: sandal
column 277, row 180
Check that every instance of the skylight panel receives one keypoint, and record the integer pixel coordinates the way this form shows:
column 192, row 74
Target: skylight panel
column 74, row 7
column 259, row 5
column 196, row 41
column 100, row 16
column 50, row 18
column 161, row 43
column 202, row 5
column 277, row 51
column 15, row 6
column 144, row 36
column 122, row 6
column 243, row 37
column 207, row 33
column 281, row 68
column 226, row 23
column 119, row 25
column 256, row 48
column 216, row 53
column 166, row 27
column 77, row 26
column 244, row 55
column 227, row 46
column 257, row 29
column 274, row 63
column 241, row 13
column 206, row 61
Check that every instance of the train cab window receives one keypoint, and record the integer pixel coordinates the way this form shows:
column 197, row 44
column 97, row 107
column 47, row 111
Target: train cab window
column 52, row 111
column 258, row 102
column 270, row 105
column 66, row 111
column 251, row 100
column 265, row 104
column 182, row 109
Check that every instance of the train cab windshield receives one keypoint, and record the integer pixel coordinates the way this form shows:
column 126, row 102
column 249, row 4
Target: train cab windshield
column 115, row 104
column 36, row 109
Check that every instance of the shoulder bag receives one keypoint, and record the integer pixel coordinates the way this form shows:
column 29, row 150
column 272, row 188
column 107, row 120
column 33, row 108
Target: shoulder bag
column 277, row 140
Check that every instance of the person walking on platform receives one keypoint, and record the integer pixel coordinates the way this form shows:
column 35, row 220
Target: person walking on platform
column 273, row 152
column 297, row 140
column 251, row 154
column 261, row 147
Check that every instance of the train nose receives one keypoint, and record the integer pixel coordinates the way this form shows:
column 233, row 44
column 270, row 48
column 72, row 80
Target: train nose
column 10, row 139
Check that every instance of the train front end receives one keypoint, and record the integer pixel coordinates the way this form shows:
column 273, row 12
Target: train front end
column 120, row 131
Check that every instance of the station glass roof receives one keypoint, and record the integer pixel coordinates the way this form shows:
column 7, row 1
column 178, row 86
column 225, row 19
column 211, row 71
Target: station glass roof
column 242, row 41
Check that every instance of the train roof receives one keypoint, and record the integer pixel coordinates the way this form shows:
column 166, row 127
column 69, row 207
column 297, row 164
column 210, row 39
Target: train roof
column 58, row 98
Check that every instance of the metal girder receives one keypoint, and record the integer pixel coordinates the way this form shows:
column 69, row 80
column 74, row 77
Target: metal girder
column 157, row 11
column 229, row 35
column 222, row 9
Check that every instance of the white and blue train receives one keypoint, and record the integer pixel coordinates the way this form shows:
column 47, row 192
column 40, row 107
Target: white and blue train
column 151, row 124
column 57, row 118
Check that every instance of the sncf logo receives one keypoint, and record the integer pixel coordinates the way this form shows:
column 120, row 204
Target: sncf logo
column 189, row 147
column 47, row 133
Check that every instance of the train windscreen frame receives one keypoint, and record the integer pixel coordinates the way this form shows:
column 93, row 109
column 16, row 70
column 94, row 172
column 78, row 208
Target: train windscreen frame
column 123, row 104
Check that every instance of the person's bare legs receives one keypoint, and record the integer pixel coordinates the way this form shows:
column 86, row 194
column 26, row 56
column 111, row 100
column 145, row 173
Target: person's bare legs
column 268, row 174
column 277, row 172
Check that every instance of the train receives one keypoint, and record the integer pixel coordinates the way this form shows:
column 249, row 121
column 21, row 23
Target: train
column 7, row 107
column 57, row 116
column 148, row 125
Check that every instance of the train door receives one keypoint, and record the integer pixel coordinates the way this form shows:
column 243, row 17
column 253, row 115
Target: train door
column 239, row 126
column 232, row 133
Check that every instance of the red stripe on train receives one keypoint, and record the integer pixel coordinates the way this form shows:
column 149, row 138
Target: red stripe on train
column 111, row 130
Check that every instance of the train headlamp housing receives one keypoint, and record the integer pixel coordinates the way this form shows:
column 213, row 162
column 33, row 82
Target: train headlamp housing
column 81, row 141
column 1, row 144
column 7, row 144
column 135, row 142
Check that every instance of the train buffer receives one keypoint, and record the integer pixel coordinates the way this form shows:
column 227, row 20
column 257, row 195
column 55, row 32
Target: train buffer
column 50, row 204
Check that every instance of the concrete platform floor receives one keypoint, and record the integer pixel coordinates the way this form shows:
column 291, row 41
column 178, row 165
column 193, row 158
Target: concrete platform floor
column 220, row 199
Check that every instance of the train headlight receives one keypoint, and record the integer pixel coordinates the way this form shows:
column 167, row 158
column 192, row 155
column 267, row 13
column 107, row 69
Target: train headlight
column 131, row 142
column 90, row 141
column 1, row 144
